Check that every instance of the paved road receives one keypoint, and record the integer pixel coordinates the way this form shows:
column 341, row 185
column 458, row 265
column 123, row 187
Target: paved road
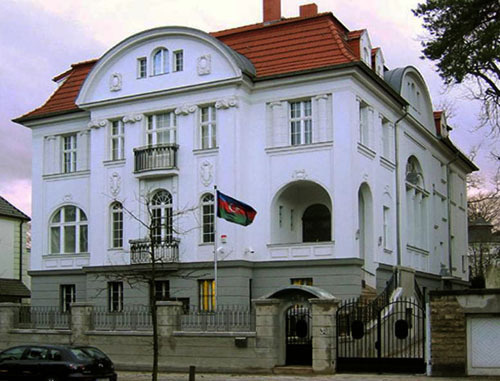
column 134, row 376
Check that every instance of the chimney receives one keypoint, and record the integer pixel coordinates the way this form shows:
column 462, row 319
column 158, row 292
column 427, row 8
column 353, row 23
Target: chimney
column 272, row 10
column 308, row 10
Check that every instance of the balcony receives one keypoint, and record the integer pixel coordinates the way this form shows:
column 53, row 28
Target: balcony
column 155, row 161
column 165, row 251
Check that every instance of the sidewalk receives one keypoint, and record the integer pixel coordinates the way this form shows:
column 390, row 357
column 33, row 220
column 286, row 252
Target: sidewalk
column 136, row 376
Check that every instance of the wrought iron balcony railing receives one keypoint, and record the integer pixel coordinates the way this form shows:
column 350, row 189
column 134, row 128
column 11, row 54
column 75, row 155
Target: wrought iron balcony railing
column 157, row 157
column 164, row 251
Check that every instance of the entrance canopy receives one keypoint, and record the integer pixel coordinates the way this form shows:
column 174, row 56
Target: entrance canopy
column 304, row 291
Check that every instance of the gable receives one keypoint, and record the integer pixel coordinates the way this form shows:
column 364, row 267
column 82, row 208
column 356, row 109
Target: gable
column 204, row 59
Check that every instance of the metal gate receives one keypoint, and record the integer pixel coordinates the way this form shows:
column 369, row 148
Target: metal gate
column 298, row 336
column 388, row 338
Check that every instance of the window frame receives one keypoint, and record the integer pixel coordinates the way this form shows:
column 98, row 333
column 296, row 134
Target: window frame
column 164, row 212
column 207, row 209
column 163, row 68
column 69, row 155
column 364, row 123
column 80, row 226
column 308, row 281
column 154, row 133
column 206, row 295
column 116, row 225
column 65, row 291
column 142, row 67
column 178, row 60
column 162, row 290
column 119, row 138
column 304, row 118
column 209, row 125
column 115, row 296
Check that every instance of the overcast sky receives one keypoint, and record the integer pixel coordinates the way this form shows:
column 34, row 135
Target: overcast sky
column 42, row 38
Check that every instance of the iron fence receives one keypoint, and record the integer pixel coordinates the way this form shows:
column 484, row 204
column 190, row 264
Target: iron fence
column 131, row 318
column 43, row 317
column 228, row 318
column 161, row 156
column 165, row 251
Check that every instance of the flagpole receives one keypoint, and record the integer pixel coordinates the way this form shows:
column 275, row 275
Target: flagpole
column 216, row 204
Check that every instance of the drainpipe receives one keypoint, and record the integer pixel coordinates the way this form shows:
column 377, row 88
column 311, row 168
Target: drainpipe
column 448, row 204
column 398, row 196
column 21, row 251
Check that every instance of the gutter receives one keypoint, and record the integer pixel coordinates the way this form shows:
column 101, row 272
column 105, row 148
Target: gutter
column 398, row 195
column 21, row 250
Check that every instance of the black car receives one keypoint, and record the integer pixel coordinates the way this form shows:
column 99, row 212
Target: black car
column 55, row 363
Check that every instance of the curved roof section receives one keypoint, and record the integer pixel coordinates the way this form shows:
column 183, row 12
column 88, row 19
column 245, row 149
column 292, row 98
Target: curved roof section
column 314, row 291
column 239, row 63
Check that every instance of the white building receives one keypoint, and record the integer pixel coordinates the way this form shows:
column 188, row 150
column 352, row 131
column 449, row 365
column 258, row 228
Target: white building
column 349, row 169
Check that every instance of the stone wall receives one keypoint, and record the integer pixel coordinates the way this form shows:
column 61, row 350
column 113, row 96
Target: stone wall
column 453, row 351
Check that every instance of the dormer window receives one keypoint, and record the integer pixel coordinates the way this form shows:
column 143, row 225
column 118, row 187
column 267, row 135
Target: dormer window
column 160, row 61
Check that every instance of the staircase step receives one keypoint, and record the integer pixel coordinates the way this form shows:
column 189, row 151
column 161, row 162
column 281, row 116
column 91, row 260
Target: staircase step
column 293, row 370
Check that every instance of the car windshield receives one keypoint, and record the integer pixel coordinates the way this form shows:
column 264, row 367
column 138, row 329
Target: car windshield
column 80, row 354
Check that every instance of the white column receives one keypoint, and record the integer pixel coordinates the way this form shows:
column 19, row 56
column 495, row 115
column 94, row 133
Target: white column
column 319, row 131
column 278, row 133
column 82, row 145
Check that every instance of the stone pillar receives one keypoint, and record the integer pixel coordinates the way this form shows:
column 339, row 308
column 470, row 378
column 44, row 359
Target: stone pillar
column 8, row 315
column 169, row 318
column 81, row 322
column 268, row 331
column 324, row 331
column 406, row 280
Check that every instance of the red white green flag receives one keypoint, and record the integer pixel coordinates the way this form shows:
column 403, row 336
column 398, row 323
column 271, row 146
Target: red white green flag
column 234, row 211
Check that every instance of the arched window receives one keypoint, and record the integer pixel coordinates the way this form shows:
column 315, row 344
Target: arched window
column 160, row 61
column 68, row 231
column 116, row 225
column 207, row 218
column 161, row 211
column 316, row 224
column 416, row 200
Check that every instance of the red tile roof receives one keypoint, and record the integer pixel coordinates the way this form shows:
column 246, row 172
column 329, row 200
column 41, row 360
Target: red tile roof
column 281, row 47
column 63, row 98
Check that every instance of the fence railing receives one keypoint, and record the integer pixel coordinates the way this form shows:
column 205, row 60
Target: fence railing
column 43, row 317
column 385, row 296
column 131, row 318
column 165, row 251
column 161, row 156
column 229, row 318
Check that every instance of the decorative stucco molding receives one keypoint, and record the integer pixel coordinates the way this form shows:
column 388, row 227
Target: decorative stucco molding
column 275, row 104
column 97, row 123
column 68, row 197
column 226, row 103
column 299, row 174
column 206, row 175
column 115, row 182
column 185, row 109
column 204, row 64
column 321, row 96
column 115, row 82
column 132, row 118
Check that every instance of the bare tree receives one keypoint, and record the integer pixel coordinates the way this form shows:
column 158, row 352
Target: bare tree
column 155, row 252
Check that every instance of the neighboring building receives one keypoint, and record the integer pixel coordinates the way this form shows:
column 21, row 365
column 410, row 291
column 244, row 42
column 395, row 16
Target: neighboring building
column 349, row 169
column 14, row 257
column 484, row 254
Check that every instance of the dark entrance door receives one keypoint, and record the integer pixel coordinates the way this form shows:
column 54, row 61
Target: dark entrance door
column 388, row 338
column 298, row 336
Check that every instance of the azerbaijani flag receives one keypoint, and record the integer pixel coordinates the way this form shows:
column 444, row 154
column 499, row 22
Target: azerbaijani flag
column 234, row 211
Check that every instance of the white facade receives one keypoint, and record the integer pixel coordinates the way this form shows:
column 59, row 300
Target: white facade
column 391, row 187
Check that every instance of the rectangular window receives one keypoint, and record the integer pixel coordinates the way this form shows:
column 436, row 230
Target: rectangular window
column 386, row 232
column 162, row 290
column 207, row 294
column 162, row 129
column 386, row 139
column 117, row 139
column 208, row 129
column 142, row 67
column 69, row 153
column 363, row 124
column 301, row 281
column 116, row 226
column 115, row 296
column 178, row 60
column 67, row 296
column 208, row 210
column 300, row 122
